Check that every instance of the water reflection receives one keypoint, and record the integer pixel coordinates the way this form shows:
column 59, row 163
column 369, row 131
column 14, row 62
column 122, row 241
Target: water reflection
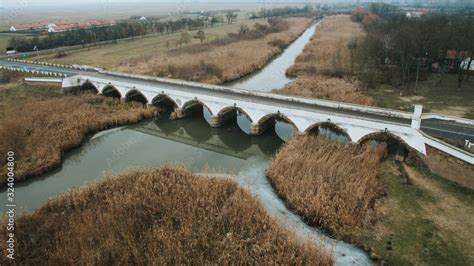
column 284, row 130
column 273, row 76
column 190, row 142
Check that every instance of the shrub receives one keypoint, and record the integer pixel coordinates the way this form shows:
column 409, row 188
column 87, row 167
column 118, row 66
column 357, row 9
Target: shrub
column 9, row 76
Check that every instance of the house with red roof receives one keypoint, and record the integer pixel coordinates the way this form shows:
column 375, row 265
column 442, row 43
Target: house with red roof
column 30, row 26
column 61, row 25
column 80, row 25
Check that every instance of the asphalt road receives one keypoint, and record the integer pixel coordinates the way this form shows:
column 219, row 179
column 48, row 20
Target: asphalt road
column 450, row 130
column 34, row 67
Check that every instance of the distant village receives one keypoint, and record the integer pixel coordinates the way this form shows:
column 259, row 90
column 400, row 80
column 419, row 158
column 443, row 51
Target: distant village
column 60, row 25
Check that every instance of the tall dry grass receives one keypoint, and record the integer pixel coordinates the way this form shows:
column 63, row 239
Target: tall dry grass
column 328, row 53
column 330, row 184
column 323, row 69
column 157, row 217
column 39, row 125
column 326, row 87
column 217, row 62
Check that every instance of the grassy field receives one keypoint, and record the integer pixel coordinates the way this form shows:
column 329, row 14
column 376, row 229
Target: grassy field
column 113, row 55
column 205, row 62
column 27, row 12
column 3, row 43
column 217, row 63
column 156, row 217
column 322, row 70
column 426, row 222
column 400, row 214
column 436, row 94
column 39, row 123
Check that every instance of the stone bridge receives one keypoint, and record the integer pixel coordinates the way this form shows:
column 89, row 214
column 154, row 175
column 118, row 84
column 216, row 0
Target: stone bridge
column 357, row 123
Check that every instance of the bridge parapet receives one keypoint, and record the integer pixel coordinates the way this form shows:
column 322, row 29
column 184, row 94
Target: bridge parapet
column 222, row 103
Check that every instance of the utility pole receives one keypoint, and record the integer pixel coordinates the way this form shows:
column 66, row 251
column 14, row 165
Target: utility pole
column 37, row 52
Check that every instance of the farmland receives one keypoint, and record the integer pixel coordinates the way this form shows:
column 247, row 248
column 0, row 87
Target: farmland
column 112, row 55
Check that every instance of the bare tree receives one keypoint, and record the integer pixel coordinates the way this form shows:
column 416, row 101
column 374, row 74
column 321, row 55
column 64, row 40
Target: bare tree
column 231, row 16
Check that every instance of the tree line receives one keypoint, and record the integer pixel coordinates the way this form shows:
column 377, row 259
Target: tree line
column 284, row 11
column 432, row 42
column 121, row 30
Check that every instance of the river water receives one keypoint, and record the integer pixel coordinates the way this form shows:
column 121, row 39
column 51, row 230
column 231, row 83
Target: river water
column 273, row 76
column 191, row 142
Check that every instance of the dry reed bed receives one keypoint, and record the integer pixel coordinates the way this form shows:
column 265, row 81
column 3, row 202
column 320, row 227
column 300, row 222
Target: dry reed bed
column 331, row 88
column 40, row 128
column 156, row 217
column 222, row 63
column 330, row 184
column 323, row 69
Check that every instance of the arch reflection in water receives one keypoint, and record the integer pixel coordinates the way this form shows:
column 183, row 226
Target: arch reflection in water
column 228, row 139
column 331, row 131
column 190, row 141
column 283, row 129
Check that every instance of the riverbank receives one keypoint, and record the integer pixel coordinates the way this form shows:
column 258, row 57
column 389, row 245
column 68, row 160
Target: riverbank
column 323, row 69
column 224, row 59
column 135, row 218
column 397, row 212
column 39, row 123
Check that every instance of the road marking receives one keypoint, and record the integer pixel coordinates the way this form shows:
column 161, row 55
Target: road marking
column 448, row 131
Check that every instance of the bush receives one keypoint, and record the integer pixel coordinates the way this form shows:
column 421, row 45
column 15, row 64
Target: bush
column 278, row 43
column 60, row 54
column 9, row 76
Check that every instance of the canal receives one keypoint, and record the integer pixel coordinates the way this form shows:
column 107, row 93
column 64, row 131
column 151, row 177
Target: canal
column 191, row 142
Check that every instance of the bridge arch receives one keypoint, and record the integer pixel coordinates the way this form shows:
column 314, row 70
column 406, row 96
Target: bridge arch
column 163, row 99
column 111, row 91
column 236, row 109
column 237, row 115
column 195, row 102
column 277, row 116
column 315, row 128
column 394, row 143
column 136, row 95
column 284, row 130
column 89, row 86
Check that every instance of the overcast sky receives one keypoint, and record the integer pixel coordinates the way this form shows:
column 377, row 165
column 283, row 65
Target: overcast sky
column 56, row 2
column 9, row 3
